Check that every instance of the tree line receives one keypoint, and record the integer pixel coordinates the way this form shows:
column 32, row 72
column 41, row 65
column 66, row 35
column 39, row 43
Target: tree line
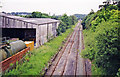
column 102, row 39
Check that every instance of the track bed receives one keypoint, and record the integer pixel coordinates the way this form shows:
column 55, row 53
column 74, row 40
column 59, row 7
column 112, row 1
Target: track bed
column 68, row 61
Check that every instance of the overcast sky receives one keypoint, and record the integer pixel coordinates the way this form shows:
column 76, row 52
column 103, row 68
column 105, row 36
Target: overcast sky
column 57, row 7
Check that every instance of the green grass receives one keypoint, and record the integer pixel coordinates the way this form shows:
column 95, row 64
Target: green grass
column 40, row 57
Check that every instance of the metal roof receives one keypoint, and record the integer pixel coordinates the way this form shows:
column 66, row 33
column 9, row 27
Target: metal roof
column 37, row 21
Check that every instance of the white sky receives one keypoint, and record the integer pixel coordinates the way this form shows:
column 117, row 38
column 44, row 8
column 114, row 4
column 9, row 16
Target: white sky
column 56, row 7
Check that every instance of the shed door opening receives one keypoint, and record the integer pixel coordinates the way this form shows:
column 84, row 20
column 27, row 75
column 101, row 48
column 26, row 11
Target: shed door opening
column 22, row 34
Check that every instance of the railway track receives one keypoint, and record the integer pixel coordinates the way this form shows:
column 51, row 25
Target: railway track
column 68, row 61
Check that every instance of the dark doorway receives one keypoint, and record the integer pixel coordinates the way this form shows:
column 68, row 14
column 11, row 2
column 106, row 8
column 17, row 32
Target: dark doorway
column 22, row 34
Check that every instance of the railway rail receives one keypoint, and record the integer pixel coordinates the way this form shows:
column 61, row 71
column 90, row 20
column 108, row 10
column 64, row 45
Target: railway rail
column 68, row 61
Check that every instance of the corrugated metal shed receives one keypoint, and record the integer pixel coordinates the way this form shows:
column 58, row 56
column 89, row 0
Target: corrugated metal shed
column 37, row 21
column 45, row 28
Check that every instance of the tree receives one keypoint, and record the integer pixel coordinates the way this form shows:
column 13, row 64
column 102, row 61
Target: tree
column 65, row 19
column 118, row 5
column 36, row 15
column 72, row 20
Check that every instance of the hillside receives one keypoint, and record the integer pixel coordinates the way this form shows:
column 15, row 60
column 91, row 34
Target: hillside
column 80, row 16
column 102, row 40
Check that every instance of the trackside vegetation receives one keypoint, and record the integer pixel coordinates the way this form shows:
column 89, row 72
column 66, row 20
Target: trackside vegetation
column 102, row 40
column 34, row 64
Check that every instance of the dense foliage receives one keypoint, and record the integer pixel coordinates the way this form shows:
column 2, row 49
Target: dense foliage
column 38, row 15
column 102, row 40
column 65, row 23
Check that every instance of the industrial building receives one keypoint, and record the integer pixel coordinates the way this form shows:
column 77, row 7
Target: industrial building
column 38, row 30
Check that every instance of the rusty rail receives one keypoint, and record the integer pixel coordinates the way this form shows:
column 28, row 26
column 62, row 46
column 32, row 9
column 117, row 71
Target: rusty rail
column 70, row 41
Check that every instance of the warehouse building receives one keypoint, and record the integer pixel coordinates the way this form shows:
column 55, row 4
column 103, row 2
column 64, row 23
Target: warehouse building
column 39, row 30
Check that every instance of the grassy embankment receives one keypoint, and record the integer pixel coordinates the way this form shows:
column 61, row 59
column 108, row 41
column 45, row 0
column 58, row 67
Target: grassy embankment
column 40, row 57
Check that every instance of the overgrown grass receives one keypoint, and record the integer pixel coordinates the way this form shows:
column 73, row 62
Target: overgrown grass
column 40, row 57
